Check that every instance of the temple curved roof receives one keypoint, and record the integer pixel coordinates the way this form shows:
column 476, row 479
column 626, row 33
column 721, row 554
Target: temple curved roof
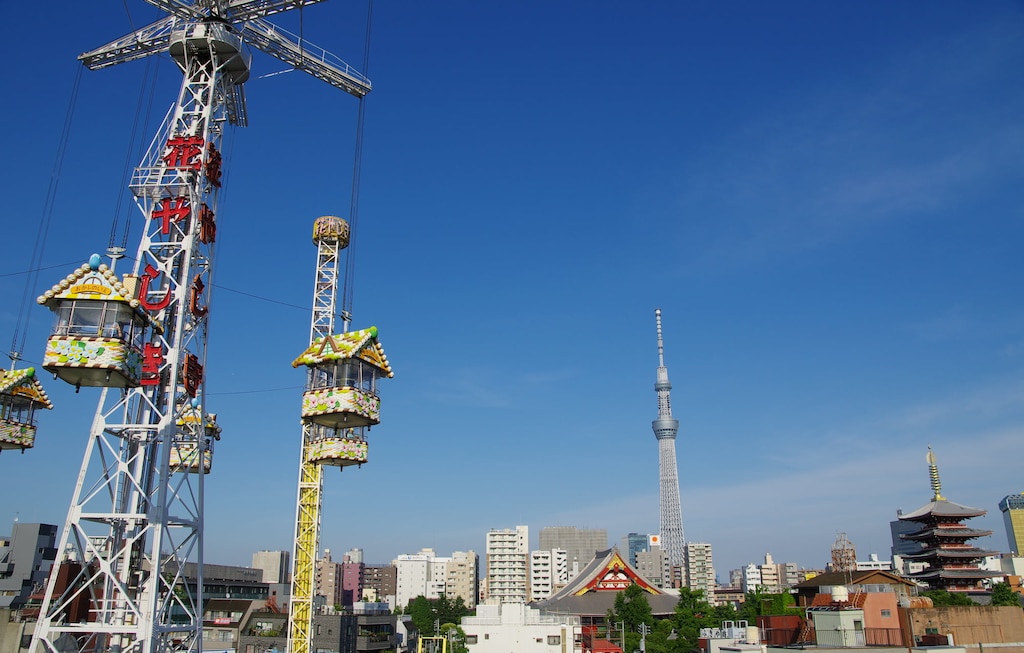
column 593, row 591
column 942, row 508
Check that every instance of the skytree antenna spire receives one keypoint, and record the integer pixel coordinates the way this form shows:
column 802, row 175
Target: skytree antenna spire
column 665, row 429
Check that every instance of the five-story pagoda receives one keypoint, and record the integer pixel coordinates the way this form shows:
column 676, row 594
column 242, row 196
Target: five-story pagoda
column 952, row 561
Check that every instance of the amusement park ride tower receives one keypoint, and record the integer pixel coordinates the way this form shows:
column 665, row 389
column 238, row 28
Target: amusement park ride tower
column 136, row 515
column 339, row 404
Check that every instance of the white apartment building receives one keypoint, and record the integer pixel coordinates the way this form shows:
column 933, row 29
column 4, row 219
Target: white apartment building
column 770, row 576
column 508, row 565
column 699, row 569
column 751, row 577
column 414, row 577
column 520, row 628
column 549, row 572
column 873, row 563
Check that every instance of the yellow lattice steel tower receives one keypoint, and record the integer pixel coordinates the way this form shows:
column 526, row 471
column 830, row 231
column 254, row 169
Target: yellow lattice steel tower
column 339, row 405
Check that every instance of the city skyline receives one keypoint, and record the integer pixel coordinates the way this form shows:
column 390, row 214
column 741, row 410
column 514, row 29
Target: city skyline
column 824, row 200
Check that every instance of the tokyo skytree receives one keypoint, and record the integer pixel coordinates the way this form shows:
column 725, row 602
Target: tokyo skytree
column 665, row 429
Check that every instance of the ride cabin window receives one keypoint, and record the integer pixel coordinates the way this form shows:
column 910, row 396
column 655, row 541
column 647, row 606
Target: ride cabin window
column 17, row 409
column 85, row 317
column 351, row 373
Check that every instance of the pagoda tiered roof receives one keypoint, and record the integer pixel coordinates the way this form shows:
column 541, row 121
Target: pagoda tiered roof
column 940, row 508
column 940, row 532
column 972, row 553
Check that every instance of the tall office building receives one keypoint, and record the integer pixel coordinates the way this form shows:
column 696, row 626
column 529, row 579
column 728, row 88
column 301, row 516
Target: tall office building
column 508, row 553
column 579, row 544
column 274, row 565
column 415, row 577
column 380, row 583
column 633, row 544
column 651, row 565
column 1013, row 518
column 665, row 429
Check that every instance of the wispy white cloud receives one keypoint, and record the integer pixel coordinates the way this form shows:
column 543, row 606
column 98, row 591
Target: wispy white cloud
column 960, row 322
column 812, row 170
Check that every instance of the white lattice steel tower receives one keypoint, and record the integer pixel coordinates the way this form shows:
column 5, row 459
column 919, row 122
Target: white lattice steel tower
column 665, row 429
column 136, row 516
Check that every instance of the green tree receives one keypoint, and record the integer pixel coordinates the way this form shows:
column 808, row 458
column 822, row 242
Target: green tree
column 456, row 638
column 759, row 604
column 1003, row 595
column 942, row 598
column 444, row 610
column 422, row 614
column 631, row 609
column 693, row 612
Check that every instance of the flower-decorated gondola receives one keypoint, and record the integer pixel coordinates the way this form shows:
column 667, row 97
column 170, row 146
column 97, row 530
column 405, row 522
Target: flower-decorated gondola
column 341, row 398
column 20, row 396
column 100, row 328
column 194, row 442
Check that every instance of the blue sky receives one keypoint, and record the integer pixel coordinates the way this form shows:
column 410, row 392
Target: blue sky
column 823, row 198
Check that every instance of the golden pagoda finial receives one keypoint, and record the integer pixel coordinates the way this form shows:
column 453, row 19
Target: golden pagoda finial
column 933, row 473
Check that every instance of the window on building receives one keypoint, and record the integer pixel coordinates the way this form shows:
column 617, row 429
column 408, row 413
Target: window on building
column 554, row 640
column 471, row 639
column 886, row 613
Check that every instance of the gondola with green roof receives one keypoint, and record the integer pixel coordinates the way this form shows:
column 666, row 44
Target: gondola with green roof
column 342, row 398
column 21, row 395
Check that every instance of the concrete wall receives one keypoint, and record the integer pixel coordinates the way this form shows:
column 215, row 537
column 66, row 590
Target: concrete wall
column 11, row 632
column 875, row 603
column 998, row 628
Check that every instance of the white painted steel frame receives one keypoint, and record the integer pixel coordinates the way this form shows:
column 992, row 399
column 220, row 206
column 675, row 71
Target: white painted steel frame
column 134, row 523
column 130, row 513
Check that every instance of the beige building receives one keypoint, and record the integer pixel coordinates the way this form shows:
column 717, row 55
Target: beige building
column 328, row 579
column 462, row 577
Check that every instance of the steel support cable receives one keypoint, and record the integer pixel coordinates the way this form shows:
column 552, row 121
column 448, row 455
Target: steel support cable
column 21, row 324
column 348, row 291
column 131, row 154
